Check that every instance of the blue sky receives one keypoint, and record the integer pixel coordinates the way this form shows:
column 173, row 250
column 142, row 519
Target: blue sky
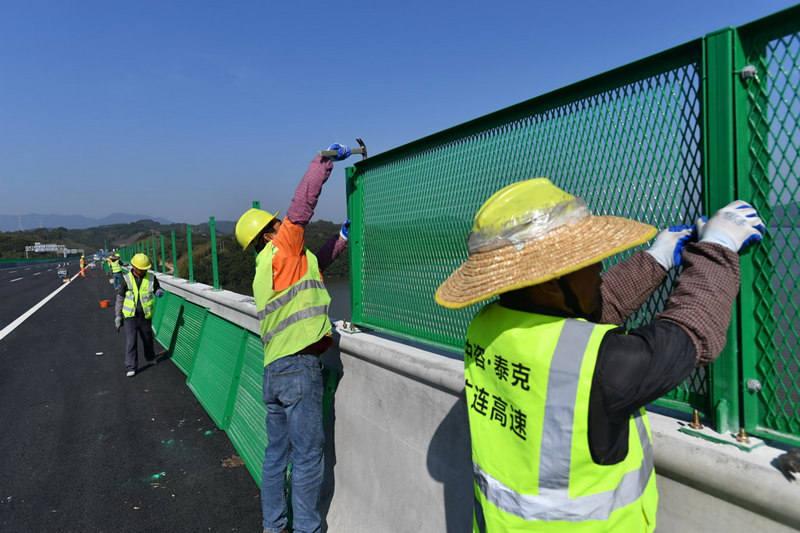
column 190, row 109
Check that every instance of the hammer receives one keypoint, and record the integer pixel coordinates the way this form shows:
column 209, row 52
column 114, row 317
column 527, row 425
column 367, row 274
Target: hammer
column 362, row 150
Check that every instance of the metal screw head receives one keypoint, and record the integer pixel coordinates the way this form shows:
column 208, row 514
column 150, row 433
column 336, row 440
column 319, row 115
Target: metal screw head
column 753, row 385
column 748, row 71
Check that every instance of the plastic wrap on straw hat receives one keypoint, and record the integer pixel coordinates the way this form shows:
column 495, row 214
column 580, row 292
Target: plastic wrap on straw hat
column 518, row 229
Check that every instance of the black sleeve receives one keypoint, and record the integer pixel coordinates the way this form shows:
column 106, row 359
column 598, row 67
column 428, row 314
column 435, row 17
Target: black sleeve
column 632, row 370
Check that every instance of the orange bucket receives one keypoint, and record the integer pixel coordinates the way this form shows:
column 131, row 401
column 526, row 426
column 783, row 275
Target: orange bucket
column 104, row 303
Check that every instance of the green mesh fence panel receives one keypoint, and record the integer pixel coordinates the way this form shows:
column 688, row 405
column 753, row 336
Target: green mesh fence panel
column 628, row 141
column 189, row 328
column 247, row 430
column 773, row 131
column 216, row 367
column 169, row 310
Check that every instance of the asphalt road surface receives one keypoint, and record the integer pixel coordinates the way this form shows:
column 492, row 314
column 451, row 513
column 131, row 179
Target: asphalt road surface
column 85, row 448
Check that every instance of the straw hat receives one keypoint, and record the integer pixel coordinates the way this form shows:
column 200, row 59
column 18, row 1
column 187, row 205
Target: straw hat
column 531, row 232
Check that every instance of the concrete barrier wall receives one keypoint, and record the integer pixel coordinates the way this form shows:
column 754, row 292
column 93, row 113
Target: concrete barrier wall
column 398, row 457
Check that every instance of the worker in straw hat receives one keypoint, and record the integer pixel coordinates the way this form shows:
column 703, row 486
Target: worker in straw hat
column 555, row 388
column 136, row 303
column 292, row 308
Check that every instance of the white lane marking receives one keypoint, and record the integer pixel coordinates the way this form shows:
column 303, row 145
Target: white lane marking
column 27, row 314
column 36, row 274
column 13, row 280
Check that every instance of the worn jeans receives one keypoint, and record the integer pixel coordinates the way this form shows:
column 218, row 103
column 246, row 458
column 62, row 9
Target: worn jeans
column 293, row 395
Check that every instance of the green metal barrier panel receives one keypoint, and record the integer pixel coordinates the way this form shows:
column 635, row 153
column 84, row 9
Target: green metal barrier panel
column 165, row 320
column 770, row 135
column 216, row 367
column 628, row 141
column 247, row 430
column 662, row 140
column 191, row 320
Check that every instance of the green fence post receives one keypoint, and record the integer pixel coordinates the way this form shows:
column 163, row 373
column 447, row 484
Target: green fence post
column 355, row 213
column 256, row 205
column 189, row 247
column 174, row 259
column 720, row 190
column 163, row 260
column 212, row 230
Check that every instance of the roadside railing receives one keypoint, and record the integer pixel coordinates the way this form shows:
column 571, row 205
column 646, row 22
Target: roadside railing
column 662, row 140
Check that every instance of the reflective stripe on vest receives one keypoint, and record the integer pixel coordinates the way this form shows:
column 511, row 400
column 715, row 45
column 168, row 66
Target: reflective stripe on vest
column 302, row 314
column 555, row 504
column 143, row 295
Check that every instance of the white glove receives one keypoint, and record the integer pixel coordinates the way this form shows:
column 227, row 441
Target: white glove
column 669, row 244
column 735, row 226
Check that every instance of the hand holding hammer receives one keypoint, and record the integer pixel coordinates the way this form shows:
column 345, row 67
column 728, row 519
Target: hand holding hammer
column 334, row 154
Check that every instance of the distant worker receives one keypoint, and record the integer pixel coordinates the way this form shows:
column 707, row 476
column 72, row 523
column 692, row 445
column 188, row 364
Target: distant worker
column 292, row 306
column 83, row 265
column 135, row 302
column 116, row 270
column 555, row 388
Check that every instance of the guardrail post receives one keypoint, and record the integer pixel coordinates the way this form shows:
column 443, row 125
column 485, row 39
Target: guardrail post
column 212, row 230
column 174, row 259
column 163, row 260
column 189, row 247
column 355, row 213
column 719, row 49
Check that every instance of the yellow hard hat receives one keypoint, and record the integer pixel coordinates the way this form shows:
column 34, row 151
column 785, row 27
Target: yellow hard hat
column 530, row 232
column 116, row 255
column 250, row 225
column 141, row 261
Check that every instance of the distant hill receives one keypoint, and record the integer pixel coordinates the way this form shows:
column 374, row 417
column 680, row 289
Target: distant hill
column 37, row 221
column 235, row 266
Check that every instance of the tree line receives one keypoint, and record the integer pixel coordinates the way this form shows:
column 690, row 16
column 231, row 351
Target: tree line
column 235, row 267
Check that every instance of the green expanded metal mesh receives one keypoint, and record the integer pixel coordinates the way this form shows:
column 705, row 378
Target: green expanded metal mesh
column 629, row 142
column 772, row 136
column 663, row 141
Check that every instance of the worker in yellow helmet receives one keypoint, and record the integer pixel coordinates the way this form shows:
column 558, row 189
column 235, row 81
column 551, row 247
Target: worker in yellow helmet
column 555, row 388
column 292, row 306
column 134, row 307
column 117, row 271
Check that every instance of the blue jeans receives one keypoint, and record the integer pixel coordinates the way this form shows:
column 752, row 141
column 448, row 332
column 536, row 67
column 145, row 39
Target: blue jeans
column 117, row 279
column 293, row 395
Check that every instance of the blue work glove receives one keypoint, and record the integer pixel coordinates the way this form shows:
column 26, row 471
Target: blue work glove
column 343, row 152
column 344, row 233
column 118, row 322
column 670, row 243
column 735, row 226
column 159, row 293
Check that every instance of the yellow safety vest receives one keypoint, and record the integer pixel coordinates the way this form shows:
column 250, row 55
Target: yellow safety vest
column 295, row 317
column 528, row 379
column 143, row 295
column 116, row 268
